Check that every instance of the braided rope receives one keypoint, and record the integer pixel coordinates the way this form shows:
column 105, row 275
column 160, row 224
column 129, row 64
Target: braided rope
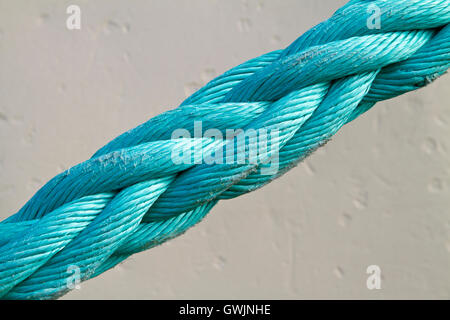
column 131, row 196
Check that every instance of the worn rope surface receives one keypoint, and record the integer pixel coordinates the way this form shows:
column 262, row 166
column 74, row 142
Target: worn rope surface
column 130, row 196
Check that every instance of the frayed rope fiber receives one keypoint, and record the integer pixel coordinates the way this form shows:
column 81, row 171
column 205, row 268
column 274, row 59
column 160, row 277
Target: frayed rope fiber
column 131, row 195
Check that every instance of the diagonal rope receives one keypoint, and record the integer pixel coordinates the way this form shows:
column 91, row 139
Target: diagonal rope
column 132, row 195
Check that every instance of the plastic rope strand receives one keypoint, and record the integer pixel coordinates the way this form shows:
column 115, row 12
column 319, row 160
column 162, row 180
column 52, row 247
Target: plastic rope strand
column 132, row 195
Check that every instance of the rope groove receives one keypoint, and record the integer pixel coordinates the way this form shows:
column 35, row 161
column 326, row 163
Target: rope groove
column 131, row 195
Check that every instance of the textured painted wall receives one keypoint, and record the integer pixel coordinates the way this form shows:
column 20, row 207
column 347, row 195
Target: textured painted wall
column 379, row 193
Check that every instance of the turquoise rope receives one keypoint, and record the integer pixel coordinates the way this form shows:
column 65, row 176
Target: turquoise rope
column 130, row 196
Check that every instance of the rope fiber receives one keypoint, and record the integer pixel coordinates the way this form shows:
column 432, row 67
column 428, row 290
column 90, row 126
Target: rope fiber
column 131, row 195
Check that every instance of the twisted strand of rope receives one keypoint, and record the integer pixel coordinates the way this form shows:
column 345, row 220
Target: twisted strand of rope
column 130, row 196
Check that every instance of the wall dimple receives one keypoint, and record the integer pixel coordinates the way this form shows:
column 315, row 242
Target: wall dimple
column 436, row 185
column 34, row 184
column 345, row 219
column 219, row 263
column 361, row 200
column 207, row 75
column 339, row 272
column 429, row 146
column 112, row 26
column 42, row 18
column 3, row 117
column 309, row 167
column 275, row 39
column 244, row 25
column 441, row 121
column 29, row 135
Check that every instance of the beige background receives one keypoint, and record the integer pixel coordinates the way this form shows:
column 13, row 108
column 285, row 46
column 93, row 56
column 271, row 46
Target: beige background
column 377, row 194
